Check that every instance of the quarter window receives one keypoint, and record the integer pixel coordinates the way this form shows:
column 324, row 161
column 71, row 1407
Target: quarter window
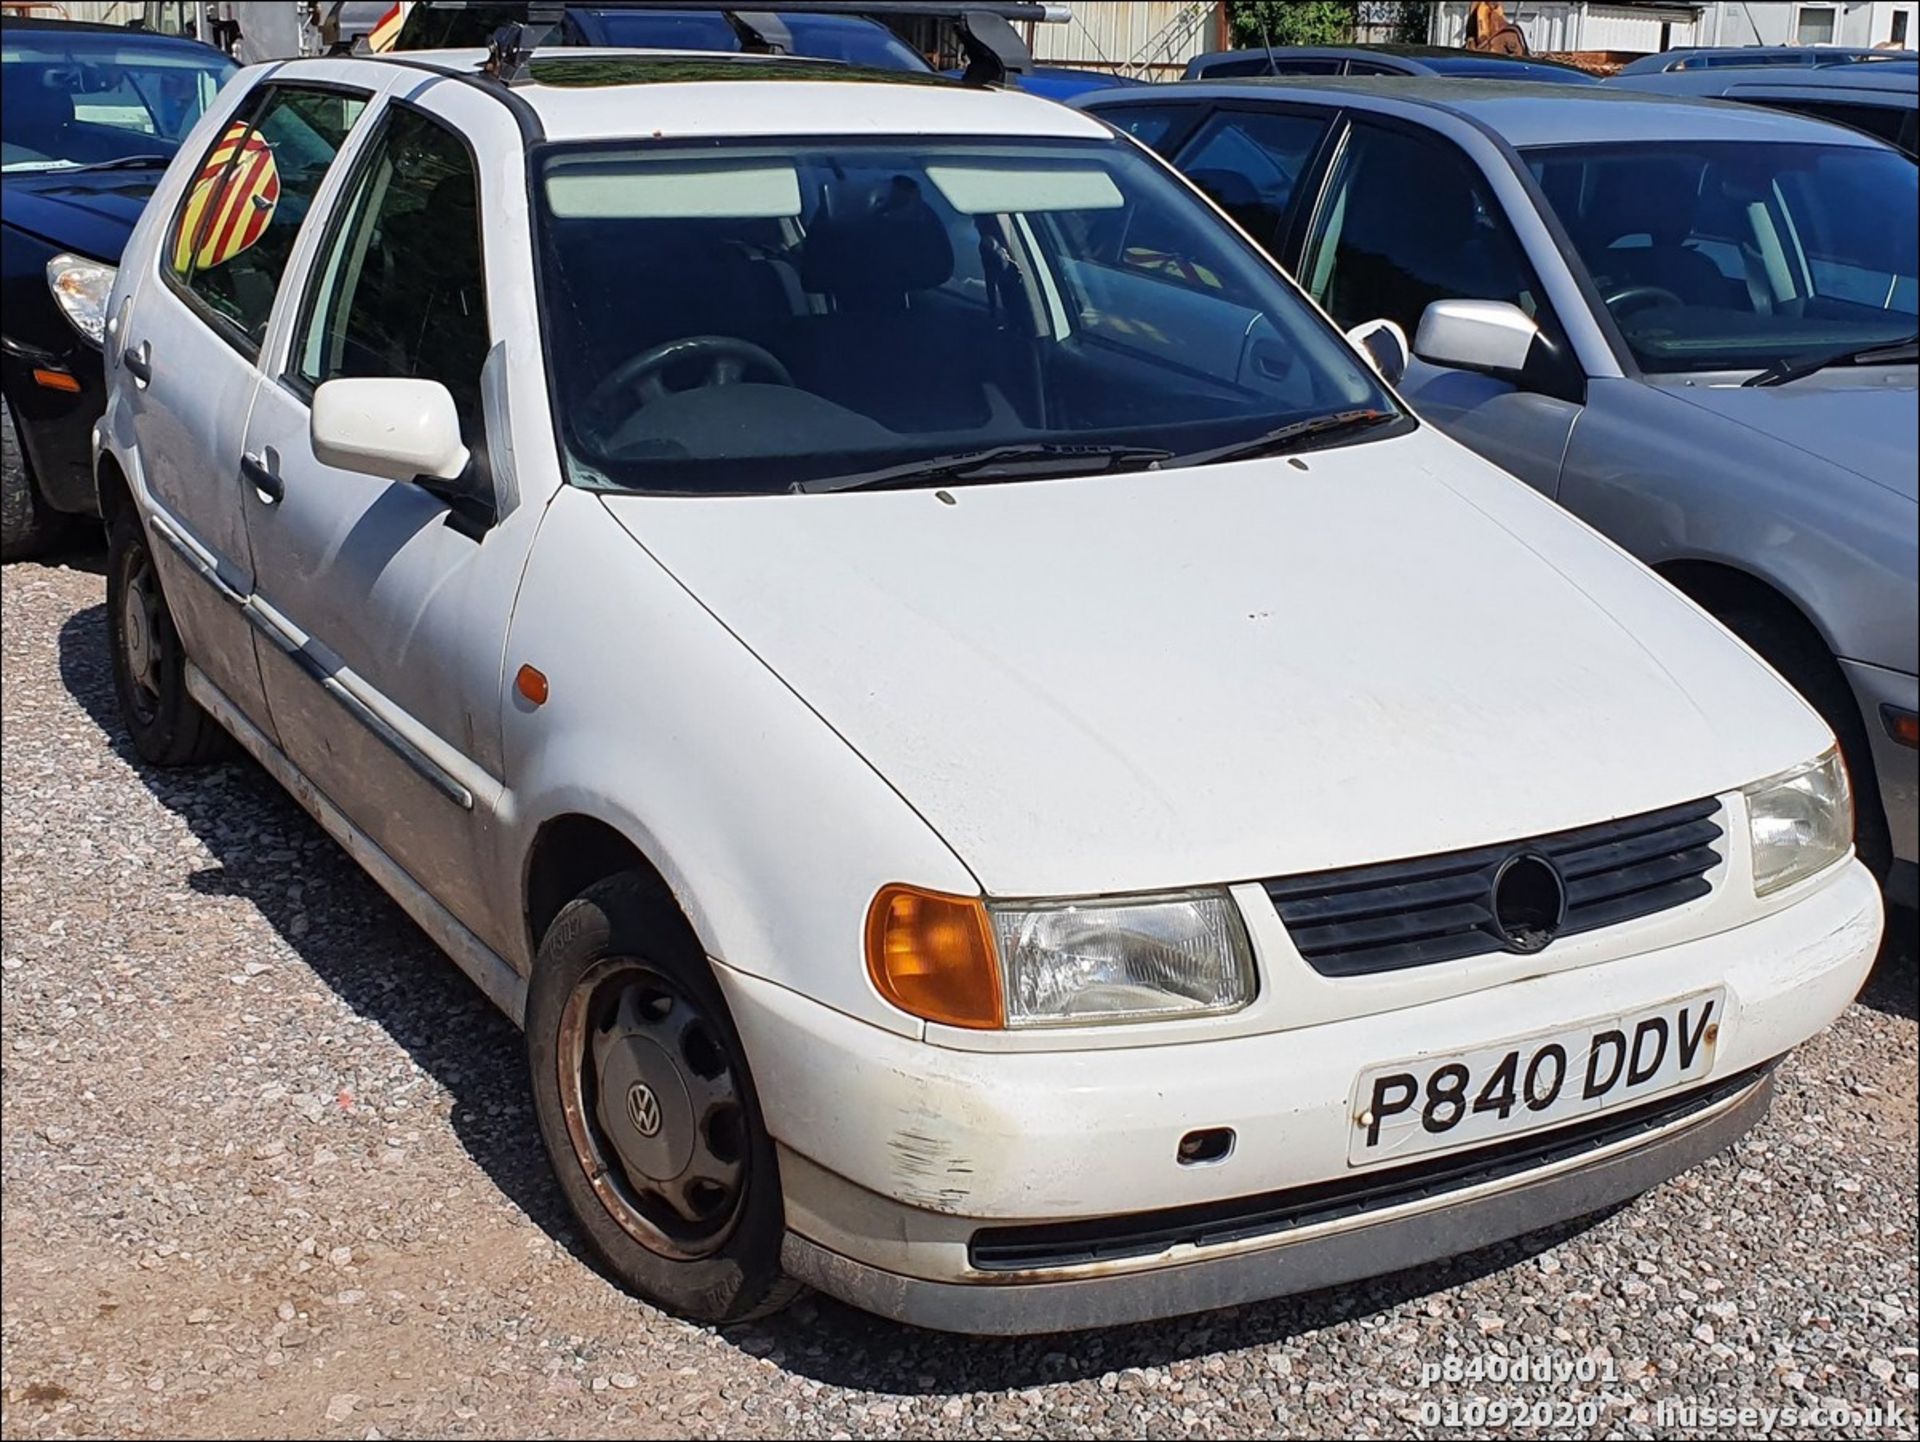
column 401, row 290
column 242, row 213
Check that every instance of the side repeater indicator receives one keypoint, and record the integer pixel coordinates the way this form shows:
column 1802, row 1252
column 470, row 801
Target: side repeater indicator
column 532, row 684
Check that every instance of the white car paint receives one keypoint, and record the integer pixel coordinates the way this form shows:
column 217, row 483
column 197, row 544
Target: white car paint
column 1140, row 682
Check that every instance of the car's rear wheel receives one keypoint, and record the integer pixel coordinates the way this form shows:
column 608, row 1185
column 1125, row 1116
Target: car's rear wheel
column 28, row 525
column 648, row 1110
column 149, row 663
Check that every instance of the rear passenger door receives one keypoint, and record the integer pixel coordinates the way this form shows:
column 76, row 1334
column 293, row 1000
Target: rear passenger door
column 1406, row 218
column 192, row 346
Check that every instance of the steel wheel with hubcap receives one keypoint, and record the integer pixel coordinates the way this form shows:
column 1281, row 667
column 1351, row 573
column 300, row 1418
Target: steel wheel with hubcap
column 647, row 1106
column 652, row 1110
column 149, row 663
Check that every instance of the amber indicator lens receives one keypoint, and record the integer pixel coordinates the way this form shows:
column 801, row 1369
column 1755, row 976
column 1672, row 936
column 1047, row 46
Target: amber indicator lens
column 932, row 955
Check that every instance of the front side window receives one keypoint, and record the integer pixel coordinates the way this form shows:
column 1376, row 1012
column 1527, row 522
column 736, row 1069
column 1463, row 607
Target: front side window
column 1725, row 256
column 748, row 318
column 241, row 215
column 1248, row 163
column 1408, row 220
column 401, row 291
column 80, row 100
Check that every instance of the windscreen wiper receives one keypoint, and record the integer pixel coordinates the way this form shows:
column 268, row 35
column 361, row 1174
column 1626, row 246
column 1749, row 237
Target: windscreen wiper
column 1880, row 352
column 996, row 463
column 1292, row 437
column 127, row 162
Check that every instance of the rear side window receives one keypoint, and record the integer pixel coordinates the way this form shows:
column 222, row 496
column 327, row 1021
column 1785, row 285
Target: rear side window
column 401, row 291
column 242, row 213
column 1883, row 122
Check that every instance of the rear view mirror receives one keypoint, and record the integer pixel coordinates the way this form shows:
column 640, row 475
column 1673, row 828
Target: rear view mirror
column 1385, row 345
column 397, row 427
column 1476, row 335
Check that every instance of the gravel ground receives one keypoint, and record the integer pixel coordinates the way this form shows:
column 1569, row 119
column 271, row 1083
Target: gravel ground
column 269, row 1168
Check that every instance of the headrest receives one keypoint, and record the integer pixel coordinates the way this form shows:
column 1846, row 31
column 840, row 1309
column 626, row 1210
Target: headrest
column 39, row 96
column 886, row 242
column 1656, row 199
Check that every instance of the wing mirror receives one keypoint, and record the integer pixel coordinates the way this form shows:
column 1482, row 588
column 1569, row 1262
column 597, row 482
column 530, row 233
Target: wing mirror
column 392, row 426
column 1476, row 335
column 1384, row 345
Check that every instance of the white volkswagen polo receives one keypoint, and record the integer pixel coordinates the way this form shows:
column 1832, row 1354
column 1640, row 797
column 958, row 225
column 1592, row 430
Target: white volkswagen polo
column 1004, row 774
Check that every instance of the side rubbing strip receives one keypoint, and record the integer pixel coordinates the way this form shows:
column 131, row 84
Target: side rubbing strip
column 422, row 765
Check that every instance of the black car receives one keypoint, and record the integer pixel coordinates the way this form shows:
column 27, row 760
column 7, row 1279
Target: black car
column 90, row 115
column 852, row 39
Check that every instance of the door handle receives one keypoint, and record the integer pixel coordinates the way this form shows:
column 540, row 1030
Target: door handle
column 263, row 474
column 138, row 360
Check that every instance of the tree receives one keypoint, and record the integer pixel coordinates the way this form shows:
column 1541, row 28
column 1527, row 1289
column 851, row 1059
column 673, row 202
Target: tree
column 1292, row 22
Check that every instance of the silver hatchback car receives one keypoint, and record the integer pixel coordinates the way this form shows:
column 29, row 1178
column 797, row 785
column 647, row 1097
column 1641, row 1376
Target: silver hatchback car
column 1692, row 323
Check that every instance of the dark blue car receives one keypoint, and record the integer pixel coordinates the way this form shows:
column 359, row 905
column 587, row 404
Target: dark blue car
column 89, row 117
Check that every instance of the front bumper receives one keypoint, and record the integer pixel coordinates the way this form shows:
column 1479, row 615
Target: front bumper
column 56, row 426
column 1880, row 688
column 1301, row 1259
column 896, row 1153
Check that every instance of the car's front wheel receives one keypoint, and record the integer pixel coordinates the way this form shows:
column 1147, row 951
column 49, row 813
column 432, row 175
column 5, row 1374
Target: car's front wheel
column 28, row 525
column 648, row 1111
column 167, row 725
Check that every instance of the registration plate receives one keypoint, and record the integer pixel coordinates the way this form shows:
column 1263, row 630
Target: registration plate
column 1438, row 1103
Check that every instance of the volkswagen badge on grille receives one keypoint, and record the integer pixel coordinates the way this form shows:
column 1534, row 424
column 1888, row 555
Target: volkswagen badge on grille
column 1529, row 902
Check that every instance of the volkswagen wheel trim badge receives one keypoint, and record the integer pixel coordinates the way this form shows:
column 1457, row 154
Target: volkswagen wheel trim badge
column 643, row 1109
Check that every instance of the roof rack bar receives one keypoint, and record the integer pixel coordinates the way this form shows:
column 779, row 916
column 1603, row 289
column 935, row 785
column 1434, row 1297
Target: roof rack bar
column 1038, row 11
column 761, row 32
column 994, row 50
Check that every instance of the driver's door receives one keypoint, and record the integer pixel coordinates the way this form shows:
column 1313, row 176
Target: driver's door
column 388, row 606
column 1406, row 218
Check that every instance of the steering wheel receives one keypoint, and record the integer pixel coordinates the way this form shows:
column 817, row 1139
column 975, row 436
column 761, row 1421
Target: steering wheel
column 725, row 359
column 1630, row 298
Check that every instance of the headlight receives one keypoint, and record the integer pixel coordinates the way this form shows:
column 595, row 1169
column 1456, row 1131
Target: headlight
column 1801, row 821
column 1077, row 962
column 964, row 962
column 82, row 287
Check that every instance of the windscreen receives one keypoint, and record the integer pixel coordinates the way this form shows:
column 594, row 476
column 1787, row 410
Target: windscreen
column 1730, row 256
column 83, row 99
column 742, row 318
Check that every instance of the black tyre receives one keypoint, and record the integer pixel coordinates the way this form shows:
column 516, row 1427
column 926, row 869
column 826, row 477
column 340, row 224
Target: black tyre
column 1798, row 653
column 28, row 525
column 647, row 1108
column 149, row 664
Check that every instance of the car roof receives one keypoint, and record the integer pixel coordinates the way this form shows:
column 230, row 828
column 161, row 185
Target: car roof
column 85, row 32
column 1723, row 55
column 1871, row 82
column 1418, row 58
column 588, row 93
column 1524, row 113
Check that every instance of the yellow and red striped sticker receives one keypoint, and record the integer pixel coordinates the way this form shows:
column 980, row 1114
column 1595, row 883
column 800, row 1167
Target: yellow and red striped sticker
column 231, row 203
column 386, row 30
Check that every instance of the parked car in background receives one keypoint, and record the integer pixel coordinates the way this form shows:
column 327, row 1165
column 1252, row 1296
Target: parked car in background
column 1880, row 99
column 1720, row 57
column 1379, row 60
column 1086, row 866
column 853, row 39
column 1062, row 82
column 89, row 118
column 1691, row 323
